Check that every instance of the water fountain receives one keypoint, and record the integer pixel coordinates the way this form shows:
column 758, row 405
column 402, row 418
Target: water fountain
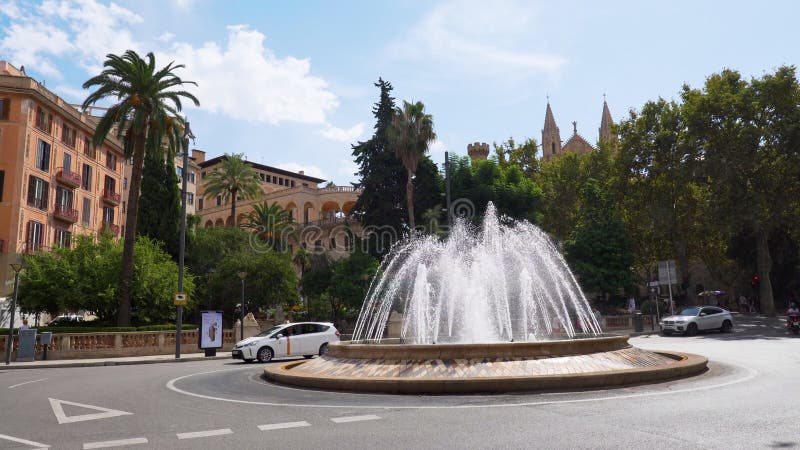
column 489, row 309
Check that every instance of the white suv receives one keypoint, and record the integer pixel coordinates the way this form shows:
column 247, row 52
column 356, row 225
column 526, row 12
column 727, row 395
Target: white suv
column 698, row 318
column 289, row 339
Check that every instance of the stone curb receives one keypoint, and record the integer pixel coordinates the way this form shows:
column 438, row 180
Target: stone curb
column 107, row 362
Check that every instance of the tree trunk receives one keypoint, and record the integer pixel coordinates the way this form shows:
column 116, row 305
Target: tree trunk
column 410, row 199
column 764, row 265
column 233, row 207
column 126, row 274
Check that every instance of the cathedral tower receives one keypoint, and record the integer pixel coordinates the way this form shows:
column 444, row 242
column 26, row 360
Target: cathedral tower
column 606, row 125
column 551, row 137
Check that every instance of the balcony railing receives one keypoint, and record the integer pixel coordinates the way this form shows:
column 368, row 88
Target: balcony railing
column 65, row 213
column 111, row 197
column 110, row 228
column 67, row 177
column 32, row 247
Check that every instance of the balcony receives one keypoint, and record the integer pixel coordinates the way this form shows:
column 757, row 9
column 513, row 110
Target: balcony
column 111, row 197
column 107, row 227
column 65, row 213
column 68, row 178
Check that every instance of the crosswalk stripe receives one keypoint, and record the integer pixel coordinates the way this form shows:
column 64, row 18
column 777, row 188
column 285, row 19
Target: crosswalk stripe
column 280, row 426
column 207, row 433
column 347, row 419
column 117, row 443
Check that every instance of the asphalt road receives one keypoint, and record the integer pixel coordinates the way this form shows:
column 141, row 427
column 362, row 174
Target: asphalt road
column 750, row 398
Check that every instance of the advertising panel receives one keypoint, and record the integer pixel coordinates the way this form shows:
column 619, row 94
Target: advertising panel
column 211, row 329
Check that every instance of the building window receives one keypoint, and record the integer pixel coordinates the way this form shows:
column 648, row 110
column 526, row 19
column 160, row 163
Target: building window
column 191, row 176
column 190, row 198
column 219, row 200
column 43, row 156
column 86, row 214
column 179, row 171
column 202, row 175
column 44, row 121
column 33, row 240
column 2, row 183
column 68, row 135
column 109, row 185
column 62, row 237
column 88, row 148
column 200, row 203
column 123, row 207
column 553, row 147
column 292, row 182
column 125, row 184
column 63, row 198
column 108, row 214
column 37, row 192
column 268, row 179
column 5, row 108
column 67, row 162
column 111, row 161
column 86, row 177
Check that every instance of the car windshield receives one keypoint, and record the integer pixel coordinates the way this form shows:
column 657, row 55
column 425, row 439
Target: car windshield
column 690, row 312
column 270, row 331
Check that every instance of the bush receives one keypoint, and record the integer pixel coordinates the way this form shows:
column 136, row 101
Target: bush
column 649, row 307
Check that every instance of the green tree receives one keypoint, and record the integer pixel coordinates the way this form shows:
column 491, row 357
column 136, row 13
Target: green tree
column 561, row 180
column 524, row 156
column 234, row 179
column 749, row 137
column 598, row 250
column 271, row 223
column 160, row 210
column 145, row 98
column 410, row 135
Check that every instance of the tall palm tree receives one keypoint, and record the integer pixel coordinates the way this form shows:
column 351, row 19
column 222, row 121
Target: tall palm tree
column 410, row 134
column 146, row 104
column 272, row 223
column 233, row 179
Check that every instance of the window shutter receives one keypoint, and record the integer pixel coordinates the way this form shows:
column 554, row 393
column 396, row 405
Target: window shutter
column 45, row 192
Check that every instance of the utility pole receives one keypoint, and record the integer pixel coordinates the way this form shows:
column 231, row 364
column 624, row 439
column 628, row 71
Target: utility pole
column 187, row 134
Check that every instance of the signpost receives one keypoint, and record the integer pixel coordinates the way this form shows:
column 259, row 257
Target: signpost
column 181, row 299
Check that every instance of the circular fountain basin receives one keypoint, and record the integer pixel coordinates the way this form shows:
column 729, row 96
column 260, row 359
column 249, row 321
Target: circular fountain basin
column 495, row 367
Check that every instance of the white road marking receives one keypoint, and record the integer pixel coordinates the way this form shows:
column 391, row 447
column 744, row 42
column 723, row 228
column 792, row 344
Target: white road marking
column 27, row 382
column 207, row 433
column 117, row 443
column 751, row 373
column 62, row 418
column 23, row 441
column 280, row 426
column 347, row 419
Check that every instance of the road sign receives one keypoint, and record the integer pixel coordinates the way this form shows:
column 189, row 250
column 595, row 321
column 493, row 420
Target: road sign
column 181, row 299
column 666, row 273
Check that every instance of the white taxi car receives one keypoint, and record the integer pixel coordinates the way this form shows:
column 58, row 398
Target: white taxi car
column 289, row 339
column 698, row 318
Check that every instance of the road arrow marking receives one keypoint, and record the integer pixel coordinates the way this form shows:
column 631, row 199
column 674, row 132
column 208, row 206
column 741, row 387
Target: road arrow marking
column 62, row 418
column 23, row 441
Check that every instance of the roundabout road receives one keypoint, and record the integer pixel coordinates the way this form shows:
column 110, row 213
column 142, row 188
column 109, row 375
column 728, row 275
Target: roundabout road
column 747, row 399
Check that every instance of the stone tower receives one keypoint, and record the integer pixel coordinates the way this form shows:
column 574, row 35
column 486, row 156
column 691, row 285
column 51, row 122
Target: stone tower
column 606, row 124
column 551, row 137
column 478, row 151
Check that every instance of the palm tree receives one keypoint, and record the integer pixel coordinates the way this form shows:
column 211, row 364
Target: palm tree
column 410, row 134
column 146, row 104
column 271, row 222
column 233, row 179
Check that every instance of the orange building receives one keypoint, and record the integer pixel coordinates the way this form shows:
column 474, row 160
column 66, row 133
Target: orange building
column 53, row 182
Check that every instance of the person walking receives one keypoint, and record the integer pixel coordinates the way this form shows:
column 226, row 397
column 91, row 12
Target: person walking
column 25, row 325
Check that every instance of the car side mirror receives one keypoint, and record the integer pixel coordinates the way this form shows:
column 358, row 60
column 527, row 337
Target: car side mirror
column 702, row 314
column 280, row 335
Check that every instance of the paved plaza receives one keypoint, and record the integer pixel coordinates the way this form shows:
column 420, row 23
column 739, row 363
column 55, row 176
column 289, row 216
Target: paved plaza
column 743, row 401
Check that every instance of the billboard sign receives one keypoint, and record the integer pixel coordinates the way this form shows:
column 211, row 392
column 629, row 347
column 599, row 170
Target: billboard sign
column 210, row 329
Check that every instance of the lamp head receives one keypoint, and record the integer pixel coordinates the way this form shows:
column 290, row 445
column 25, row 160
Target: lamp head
column 242, row 275
column 17, row 266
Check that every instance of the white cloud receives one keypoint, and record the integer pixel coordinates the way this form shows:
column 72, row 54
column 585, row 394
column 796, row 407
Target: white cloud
column 473, row 38
column 348, row 167
column 345, row 135
column 245, row 80
column 312, row 171
column 70, row 93
column 165, row 37
column 30, row 42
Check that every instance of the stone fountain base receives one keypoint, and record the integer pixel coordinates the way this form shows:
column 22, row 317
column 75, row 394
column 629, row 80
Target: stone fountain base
column 499, row 367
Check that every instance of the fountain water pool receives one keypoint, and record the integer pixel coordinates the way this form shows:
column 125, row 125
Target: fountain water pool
column 504, row 283
column 494, row 310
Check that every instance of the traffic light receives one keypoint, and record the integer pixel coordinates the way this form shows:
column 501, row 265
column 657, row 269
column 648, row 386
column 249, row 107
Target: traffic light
column 756, row 283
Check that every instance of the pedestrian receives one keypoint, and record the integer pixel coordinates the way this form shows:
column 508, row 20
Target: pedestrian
column 25, row 325
column 631, row 305
column 743, row 304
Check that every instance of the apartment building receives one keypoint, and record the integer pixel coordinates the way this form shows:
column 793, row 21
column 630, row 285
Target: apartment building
column 54, row 183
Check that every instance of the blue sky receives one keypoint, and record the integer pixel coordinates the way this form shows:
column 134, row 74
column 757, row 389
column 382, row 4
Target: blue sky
column 290, row 83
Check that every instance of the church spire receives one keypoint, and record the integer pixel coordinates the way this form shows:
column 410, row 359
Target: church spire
column 606, row 123
column 551, row 136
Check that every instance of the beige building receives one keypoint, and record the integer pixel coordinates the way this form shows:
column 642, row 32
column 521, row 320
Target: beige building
column 53, row 182
column 322, row 212
column 551, row 135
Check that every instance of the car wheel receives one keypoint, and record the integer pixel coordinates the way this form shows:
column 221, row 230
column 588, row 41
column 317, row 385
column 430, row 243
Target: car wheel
column 691, row 330
column 727, row 326
column 264, row 354
column 308, row 356
column 323, row 349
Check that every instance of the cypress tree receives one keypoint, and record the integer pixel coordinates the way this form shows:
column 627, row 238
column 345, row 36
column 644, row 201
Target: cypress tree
column 159, row 205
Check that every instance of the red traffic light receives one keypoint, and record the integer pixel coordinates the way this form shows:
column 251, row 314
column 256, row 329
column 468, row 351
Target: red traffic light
column 755, row 277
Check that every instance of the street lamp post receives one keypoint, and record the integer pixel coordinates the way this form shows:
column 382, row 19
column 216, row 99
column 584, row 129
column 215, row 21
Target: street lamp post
column 242, row 275
column 187, row 134
column 10, row 339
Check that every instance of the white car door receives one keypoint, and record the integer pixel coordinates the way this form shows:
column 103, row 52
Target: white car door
column 705, row 321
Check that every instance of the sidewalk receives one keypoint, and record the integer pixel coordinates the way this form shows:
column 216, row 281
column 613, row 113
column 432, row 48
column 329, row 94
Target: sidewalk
column 153, row 359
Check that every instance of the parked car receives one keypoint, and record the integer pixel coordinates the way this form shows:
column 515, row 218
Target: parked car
column 65, row 321
column 291, row 339
column 698, row 318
